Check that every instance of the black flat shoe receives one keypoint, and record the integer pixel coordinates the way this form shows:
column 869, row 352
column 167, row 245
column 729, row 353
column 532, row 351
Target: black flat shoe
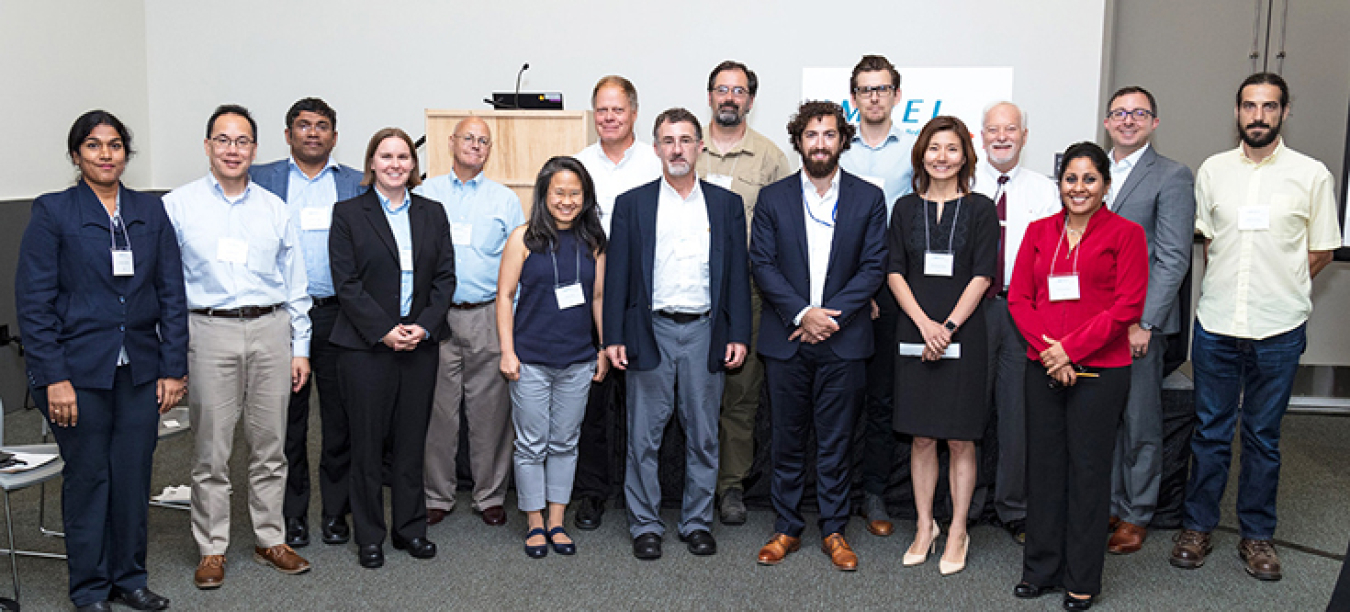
column 371, row 556
column 1026, row 590
column 335, row 530
column 140, row 599
column 297, row 532
column 700, row 542
column 536, row 552
column 419, row 548
column 590, row 512
column 1074, row 603
column 98, row 606
column 562, row 548
column 647, row 546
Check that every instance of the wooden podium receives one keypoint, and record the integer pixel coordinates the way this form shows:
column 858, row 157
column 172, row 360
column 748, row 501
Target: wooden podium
column 522, row 140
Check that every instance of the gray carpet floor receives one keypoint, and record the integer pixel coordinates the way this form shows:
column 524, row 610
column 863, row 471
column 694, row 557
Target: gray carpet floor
column 484, row 568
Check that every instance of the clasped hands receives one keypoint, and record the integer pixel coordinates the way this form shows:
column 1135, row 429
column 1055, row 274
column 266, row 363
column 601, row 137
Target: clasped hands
column 404, row 337
column 936, row 339
column 1057, row 363
column 818, row 324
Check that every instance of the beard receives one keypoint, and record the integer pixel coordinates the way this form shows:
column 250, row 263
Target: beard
column 820, row 168
column 729, row 115
column 1272, row 132
column 995, row 158
column 678, row 167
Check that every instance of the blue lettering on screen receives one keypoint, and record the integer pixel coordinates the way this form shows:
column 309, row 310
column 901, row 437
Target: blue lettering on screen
column 915, row 107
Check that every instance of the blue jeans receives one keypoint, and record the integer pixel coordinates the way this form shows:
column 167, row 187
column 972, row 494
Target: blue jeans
column 1260, row 375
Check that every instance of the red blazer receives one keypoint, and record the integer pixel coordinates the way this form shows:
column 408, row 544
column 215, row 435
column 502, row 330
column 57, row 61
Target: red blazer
column 1112, row 260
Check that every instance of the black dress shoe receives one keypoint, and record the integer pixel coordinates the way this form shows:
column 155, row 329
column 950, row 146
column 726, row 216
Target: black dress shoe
column 99, row 606
column 419, row 548
column 590, row 511
column 700, row 542
column 1026, row 590
column 335, row 530
column 647, row 546
column 371, row 556
column 297, row 532
column 140, row 599
column 1074, row 603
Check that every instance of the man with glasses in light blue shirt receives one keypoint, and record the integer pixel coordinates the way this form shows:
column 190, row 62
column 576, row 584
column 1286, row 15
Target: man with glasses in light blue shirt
column 310, row 182
column 482, row 215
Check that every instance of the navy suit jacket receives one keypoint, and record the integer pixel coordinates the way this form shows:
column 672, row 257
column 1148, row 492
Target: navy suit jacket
column 630, row 261
column 366, row 274
column 74, row 314
column 276, row 178
column 781, row 264
column 1159, row 195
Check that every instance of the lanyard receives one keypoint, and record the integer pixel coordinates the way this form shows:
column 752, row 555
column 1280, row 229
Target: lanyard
column 834, row 214
column 1076, row 250
column 114, row 222
column 927, row 239
column 553, row 255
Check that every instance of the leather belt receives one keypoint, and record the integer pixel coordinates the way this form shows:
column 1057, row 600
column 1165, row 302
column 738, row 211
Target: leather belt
column 472, row 305
column 243, row 312
column 323, row 301
column 681, row 317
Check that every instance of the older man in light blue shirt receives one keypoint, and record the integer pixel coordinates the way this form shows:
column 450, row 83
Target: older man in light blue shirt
column 482, row 214
column 249, row 340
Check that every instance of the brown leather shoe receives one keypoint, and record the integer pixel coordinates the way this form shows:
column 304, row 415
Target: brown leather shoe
column 282, row 558
column 779, row 547
column 210, row 572
column 880, row 528
column 1113, row 523
column 840, row 554
column 1191, row 548
column 494, row 516
column 436, row 515
column 1261, row 560
column 1127, row 539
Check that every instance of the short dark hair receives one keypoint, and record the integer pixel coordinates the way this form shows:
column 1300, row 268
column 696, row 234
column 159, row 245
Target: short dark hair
column 874, row 63
column 1266, row 78
column 541, row 231
column 965, row 177
column 231, row 109
column 368, row 176
column 811, row 110
column 313, row 105
column 1092, row 152
column 615, row 80
column 751, row 81
column 676, row 115
column 1134, row 89
column 85, row 124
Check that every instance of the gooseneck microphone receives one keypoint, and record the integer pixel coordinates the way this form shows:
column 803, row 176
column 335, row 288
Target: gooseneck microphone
column 523, row 68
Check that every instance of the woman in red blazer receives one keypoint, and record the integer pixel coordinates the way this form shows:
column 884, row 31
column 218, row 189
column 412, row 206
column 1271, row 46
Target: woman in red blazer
column 1078, row 284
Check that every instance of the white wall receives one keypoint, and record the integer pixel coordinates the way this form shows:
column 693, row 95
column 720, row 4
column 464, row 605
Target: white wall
column 59, row 58
column 383, row 64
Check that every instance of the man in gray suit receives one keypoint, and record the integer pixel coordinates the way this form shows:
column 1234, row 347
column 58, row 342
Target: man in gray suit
column 1158, row 194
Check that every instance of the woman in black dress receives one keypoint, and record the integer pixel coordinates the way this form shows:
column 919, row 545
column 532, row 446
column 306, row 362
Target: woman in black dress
column 943, row 243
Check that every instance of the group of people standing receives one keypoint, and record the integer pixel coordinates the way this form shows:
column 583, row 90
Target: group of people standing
column 886, row 288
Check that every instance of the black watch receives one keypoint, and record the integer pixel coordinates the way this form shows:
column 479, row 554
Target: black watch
column 951, row 327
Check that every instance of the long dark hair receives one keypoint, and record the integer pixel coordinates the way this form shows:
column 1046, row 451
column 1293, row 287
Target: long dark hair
column 541, row 233
column 965, row 177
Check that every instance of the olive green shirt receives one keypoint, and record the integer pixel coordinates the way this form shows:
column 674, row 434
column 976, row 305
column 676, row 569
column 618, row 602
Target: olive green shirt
column 752, row 165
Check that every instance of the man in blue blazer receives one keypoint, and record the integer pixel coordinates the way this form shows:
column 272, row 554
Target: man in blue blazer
column 676, row 316
column 817, row 250
column 310, row 182
column 1159, row 195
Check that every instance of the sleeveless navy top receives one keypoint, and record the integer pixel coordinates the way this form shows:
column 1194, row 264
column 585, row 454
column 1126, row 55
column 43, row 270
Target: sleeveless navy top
column 544, row 334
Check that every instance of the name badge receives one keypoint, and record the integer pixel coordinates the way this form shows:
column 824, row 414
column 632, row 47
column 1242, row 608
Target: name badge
column 1254, row 218
column 405, row 260
column 938, row 264
column 1063, row 288
column 461, row 233
column 123, row 264
column 316, row 219
column 721, row 180
column 569, row 296
column 880, row 182
column 232, row 250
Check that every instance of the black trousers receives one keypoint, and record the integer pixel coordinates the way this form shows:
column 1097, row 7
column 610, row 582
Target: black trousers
column 105, row 485
column 1071, row 433
column 814, row 389
column 876, row 451
column 388, row 397
column 335, row 454
column 600, row 449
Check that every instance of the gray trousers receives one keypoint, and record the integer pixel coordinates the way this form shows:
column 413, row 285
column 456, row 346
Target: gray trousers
column 547, row 405
column 469, row 373
column 1136, row 469
column 652, row 399
column 1007, row 372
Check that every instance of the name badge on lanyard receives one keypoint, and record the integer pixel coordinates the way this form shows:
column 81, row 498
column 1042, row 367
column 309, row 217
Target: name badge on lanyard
column 1063, row 288
column 122, row 262
column 569, row 296
column 1254, row 218
column 721, row 180
column 232, row 250
column 316, row 219
column 405, row 260
column 937, row 264
column 461, row 233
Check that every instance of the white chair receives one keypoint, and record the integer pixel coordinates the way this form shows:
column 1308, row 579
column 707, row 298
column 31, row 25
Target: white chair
column 23, row 480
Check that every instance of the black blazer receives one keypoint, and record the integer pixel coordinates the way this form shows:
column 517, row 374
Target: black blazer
column 366, row 272
column 74, row 314
column 631, row 257
column 782, row 268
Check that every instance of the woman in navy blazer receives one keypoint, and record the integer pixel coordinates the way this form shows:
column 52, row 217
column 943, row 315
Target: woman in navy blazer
column 101, row 307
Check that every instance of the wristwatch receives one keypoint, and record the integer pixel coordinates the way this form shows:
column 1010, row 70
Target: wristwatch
column 951, row 327
column 1145, row 326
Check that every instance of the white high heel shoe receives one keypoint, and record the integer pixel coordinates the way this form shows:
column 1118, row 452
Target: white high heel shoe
column 912, row 559
column 947, row 568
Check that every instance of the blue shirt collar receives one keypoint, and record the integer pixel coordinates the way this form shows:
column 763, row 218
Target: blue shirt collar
column 388, row 207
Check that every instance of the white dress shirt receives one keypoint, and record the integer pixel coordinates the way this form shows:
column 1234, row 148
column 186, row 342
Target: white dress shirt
column 639, row 166
column 819, row 212
column 683, row 245
column 1120, row 172
column 1031, row 196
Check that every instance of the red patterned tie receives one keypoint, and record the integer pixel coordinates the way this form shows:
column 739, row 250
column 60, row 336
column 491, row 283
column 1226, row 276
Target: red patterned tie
column 1002, row 206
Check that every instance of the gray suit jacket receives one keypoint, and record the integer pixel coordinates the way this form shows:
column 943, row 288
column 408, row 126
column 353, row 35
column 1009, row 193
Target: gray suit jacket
column 1160, row 196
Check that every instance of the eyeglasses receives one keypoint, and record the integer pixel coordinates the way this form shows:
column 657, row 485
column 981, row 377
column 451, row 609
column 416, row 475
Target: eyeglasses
column 469, row 139
column 1139, row 114
column 880, row 90
column 224, row 142
column 321, row 128
column 723, row 90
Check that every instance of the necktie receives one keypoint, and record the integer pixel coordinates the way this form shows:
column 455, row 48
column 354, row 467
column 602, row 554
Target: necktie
column 1002, row 206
